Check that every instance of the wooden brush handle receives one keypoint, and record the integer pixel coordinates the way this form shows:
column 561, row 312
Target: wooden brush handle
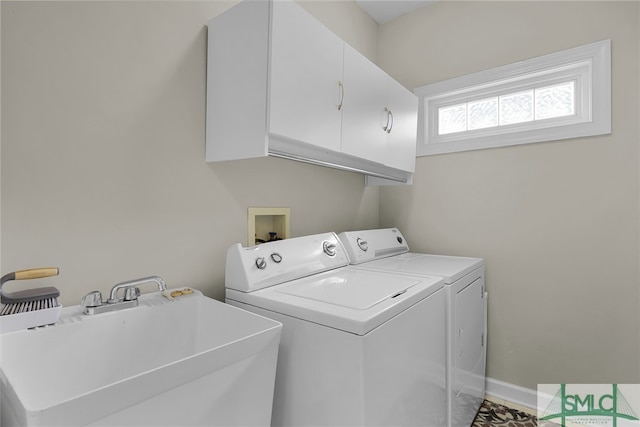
column 36, row 273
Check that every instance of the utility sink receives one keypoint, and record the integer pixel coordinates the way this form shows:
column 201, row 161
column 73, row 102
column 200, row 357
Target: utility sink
column 187, row 361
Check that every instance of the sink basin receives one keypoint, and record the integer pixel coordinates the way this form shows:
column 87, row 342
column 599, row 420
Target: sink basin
column 190, row 361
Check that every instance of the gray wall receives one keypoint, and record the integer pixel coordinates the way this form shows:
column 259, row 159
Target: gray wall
column 103, row 171
column 556, row 222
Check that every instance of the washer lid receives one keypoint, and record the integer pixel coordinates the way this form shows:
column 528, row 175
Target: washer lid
column 349, row 299
column 349, row 289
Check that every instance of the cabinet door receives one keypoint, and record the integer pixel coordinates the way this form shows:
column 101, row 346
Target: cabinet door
column 402, row 135
column 304, row 78
column 363, row 112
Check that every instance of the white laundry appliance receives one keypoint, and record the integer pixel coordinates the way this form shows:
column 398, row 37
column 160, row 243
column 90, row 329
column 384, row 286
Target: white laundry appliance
column 358, row 348
column 466, row 299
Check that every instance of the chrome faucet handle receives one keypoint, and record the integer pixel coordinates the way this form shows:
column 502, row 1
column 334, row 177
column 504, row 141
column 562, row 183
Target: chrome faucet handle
column 92, row 299
column 131, row 293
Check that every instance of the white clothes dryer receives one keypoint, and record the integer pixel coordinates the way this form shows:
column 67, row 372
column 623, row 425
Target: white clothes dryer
column 358, row 348
column 466, row 308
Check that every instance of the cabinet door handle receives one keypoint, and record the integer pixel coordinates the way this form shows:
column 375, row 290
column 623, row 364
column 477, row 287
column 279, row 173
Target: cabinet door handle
column 387, row 127
column 391, row 125
column 341, row 87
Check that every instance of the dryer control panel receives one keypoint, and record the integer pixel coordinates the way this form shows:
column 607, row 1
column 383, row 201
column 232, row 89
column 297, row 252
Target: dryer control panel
column 256, row 267
column 367, row 245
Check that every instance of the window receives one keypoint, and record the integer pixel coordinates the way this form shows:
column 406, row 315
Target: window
column 520, row 107
column 558, row 96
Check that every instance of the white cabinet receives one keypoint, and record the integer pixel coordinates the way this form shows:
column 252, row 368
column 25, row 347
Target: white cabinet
column 401, row 140
column 379, row 120
column 280, row 83
column 364, row 108
column 305, row 78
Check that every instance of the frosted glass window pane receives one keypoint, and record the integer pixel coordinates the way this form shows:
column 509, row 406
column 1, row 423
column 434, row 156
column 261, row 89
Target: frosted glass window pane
column 516, row 108
column 452, row 119
column 555, row 101
column 483, row 114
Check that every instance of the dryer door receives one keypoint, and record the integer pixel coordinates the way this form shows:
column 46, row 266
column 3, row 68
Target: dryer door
column 469, row 365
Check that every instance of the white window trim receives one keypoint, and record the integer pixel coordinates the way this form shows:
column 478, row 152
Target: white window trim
column 589, row 66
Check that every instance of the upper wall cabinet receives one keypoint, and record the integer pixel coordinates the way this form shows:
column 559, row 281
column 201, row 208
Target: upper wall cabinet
column 280, row 83
column 304, row 78
column 379, row 119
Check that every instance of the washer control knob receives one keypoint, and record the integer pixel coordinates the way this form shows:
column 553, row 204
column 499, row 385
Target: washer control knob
column 362, row 244
column 276, row 257
column 329, row 248
column 261, row 263
column 399, row 239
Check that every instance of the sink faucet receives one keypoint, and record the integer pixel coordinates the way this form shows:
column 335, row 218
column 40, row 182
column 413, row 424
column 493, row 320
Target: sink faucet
column 133, row 284
column 92, row 302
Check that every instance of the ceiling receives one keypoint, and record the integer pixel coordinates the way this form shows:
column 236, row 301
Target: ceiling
column 385, row 10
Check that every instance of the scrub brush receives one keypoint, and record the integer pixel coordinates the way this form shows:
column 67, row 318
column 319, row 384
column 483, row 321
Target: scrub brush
column 32, row 307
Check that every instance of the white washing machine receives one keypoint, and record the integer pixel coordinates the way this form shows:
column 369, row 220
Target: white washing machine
column 358, row 348
column 466, row 299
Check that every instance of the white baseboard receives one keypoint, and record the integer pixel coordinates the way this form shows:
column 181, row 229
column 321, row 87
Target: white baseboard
column 512, row 393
